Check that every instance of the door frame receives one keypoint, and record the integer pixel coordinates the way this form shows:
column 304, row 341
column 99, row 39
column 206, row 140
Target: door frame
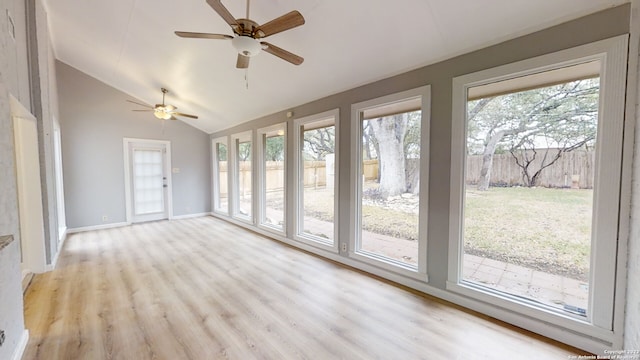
column 30, row 208
column 127, row 142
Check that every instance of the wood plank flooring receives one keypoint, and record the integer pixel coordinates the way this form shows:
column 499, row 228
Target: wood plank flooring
column 205, row 289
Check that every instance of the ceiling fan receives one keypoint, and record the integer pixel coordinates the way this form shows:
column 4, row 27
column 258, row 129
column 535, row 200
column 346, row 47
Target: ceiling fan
column 248, row 34
column 162, row 111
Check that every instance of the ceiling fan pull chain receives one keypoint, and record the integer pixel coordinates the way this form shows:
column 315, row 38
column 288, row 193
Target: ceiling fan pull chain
column 246, row 77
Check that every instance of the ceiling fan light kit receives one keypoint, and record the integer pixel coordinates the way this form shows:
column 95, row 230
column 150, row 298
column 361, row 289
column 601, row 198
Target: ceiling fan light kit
column 162, row 111
column 247, row 34
column 162, row 114
column 246, row 45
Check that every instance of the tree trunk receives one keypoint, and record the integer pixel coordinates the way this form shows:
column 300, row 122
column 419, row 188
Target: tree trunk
column 389, row 133
column 487, row 159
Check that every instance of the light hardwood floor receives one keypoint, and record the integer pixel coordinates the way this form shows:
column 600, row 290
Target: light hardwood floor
column 204, row 289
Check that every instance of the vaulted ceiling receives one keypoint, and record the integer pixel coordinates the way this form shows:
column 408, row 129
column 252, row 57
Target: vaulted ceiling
column 131, row 45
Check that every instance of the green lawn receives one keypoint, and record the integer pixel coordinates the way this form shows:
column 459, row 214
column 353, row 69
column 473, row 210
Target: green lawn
column 544, row 229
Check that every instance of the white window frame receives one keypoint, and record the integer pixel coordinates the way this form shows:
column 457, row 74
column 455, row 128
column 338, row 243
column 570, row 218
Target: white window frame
column 262, row 180
column 234, row 190
column 419, row 272
column 216, row 175
column 598, row 323
column 298, row 186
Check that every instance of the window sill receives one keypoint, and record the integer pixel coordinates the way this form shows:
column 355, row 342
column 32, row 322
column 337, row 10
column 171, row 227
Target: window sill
column 508, row 306
column 397, row 267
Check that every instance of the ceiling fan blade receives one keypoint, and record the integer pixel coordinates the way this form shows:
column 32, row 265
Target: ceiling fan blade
column 173, row 118
column 243, row 62
column 141, row 104
column 284, row 22
column 196, row 35
column 185, row 115
column 282, row 53
column 223, row 12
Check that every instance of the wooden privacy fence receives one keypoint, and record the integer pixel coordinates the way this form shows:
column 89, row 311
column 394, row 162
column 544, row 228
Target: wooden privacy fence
column 574, row 169
column 315, row 175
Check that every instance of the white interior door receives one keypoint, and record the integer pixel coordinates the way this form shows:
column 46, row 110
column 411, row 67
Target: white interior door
column 149, row 180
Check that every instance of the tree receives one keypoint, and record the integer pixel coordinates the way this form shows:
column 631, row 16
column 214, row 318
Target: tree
column 244, row 151
column 222, row 152
column 390, row 133
column 527, row 154
column 560, row 116
column 369, row 142
column 412, row 146
column 395, row 142
column 319, row 142
column 274, row 148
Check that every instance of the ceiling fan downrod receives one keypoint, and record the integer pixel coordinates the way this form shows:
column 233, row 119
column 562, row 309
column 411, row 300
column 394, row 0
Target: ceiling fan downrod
column 164, row 92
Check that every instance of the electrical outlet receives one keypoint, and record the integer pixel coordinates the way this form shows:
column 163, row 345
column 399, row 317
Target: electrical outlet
column 1, row 337
column 105, row 218
column 344, row 247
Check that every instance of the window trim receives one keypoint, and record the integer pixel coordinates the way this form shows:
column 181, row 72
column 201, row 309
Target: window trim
column 419, row 272
column 215, row 196
column 600, row 320
column 299, row 234
column 262, row 132
column 234, row 190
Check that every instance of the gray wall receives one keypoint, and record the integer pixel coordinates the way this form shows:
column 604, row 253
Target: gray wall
column 602, row 25
column 14, row 80
column 94, row 119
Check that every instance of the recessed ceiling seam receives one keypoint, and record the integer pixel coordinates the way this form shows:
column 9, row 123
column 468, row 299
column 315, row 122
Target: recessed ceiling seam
column 124, row 37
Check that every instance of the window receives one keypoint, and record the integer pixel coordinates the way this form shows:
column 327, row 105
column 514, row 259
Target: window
column 242, row 176
column 390, row 149
column 535, row 184
column 220, row 176
column 316, row 144
column 272, row 177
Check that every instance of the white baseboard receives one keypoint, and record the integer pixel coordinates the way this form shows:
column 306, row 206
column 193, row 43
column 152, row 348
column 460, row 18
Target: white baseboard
column 97, row 227
column 190, row 216
column 22, row 346
column 121, row 224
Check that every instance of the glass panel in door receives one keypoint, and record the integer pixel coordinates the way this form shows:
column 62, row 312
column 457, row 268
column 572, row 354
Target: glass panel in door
column 148, row 182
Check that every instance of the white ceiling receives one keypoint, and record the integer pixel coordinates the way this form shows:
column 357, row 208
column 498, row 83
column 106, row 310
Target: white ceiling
column 130, row 45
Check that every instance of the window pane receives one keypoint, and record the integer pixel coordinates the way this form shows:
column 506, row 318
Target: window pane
column 318, row 167
column 148, row 180
column 529, row 192
column 274, row 181
column 390, row 171
column 222, row 198
column 243, row 177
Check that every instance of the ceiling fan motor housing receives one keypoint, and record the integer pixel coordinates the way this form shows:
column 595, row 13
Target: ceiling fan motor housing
column 248, row 34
